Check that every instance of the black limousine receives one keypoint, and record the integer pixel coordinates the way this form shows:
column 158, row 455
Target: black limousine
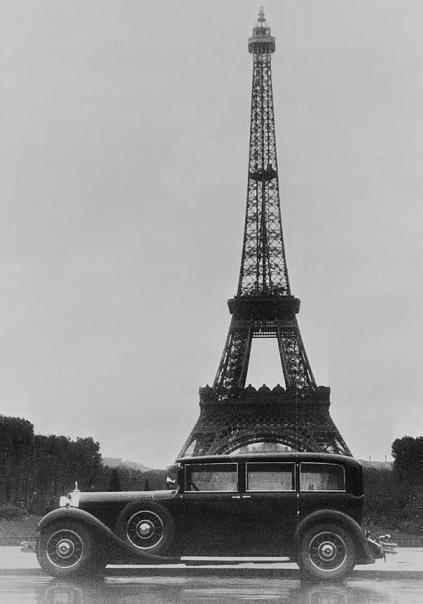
column 303, row 506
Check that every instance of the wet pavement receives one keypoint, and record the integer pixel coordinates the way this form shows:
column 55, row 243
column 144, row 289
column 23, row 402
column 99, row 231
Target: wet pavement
column 400, row 581
column 212, row 590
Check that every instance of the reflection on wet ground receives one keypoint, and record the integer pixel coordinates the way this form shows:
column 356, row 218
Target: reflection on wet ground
column 213, row 589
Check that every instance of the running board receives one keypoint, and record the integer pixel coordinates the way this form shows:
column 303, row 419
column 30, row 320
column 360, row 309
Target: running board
column 214, row 560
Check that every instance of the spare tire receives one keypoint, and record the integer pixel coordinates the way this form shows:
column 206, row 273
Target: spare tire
column 147, row 527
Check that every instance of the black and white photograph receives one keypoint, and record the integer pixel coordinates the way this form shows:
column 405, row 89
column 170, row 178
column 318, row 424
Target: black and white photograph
column 211, row 301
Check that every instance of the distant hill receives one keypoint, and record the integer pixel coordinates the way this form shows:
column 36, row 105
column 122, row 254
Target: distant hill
column 118, row 462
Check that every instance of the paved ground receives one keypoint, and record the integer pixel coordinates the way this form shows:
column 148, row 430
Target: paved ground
column 213, row 589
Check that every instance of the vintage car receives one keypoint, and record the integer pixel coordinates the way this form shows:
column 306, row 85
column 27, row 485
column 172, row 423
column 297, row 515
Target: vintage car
column 303, row 506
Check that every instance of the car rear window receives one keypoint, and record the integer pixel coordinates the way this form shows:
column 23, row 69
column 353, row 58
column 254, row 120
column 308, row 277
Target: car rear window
column 211, row 477
column 263, row 476
column 322, row 477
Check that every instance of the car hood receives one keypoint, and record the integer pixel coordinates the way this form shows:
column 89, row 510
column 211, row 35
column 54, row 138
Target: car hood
column 122, row 496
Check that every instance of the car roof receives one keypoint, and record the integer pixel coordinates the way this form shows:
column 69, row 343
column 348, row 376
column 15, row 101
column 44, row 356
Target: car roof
column 280, row 456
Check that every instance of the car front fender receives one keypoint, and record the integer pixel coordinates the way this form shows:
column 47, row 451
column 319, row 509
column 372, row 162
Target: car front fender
column 63, row 514
column 365, row 555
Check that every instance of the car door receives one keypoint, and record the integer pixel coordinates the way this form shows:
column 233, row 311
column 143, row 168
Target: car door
column 211, row 510
column 269, row 508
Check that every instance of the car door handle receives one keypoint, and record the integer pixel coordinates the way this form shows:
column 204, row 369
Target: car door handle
column 246, row 497
column 236, row 496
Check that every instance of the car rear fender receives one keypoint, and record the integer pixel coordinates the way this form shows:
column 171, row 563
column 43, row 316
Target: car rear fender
column 364, row 553
column 103, row 531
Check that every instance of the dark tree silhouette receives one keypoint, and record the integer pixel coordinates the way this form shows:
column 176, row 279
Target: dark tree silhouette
column 16, row 449
column 114, row 484
column 408, row 459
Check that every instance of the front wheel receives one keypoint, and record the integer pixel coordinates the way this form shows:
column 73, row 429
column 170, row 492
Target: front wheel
column 68, row 549
column 326, row 553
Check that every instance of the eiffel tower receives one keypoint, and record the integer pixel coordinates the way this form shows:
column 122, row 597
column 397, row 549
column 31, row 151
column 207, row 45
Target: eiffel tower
column 233, row 417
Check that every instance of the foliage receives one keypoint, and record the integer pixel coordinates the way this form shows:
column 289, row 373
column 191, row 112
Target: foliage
column 9, row 511
column 16, row 445
column 58, row 463
column 37, row 469
column 408, row 455
column 13, row 532
column 393, row 497
column 114, row 484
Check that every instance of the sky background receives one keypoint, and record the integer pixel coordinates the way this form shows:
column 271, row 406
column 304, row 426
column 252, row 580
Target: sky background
column 124, row 130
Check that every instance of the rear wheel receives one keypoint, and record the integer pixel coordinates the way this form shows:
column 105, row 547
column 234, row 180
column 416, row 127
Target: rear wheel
column 68, row 549
column 327, row 553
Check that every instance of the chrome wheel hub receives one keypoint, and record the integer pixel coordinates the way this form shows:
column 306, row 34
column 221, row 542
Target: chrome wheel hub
column 65, row 548
column 145, row 529
column 327, row 550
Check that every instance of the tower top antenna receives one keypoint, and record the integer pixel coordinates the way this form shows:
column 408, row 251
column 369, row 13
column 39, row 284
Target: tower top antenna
column 261, row 41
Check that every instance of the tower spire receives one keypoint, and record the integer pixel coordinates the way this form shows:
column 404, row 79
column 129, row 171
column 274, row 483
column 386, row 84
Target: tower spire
column 263, row 264
column 233, row 416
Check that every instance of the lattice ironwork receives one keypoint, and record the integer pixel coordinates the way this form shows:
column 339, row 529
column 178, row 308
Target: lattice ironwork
column 263, row 264
column 263, row 318
column 233, row 416
column 264, row 416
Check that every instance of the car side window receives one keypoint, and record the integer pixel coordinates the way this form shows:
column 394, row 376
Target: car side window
column 263, row 476
column 322, row 477
column 211, row 477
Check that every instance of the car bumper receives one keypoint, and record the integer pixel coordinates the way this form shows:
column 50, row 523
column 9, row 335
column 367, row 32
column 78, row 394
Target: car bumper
column 381, row 546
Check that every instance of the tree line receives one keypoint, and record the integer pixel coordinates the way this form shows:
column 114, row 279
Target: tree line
column 36, row 469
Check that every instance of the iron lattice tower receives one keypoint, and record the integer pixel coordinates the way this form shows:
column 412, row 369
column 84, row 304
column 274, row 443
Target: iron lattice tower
column 233, row 416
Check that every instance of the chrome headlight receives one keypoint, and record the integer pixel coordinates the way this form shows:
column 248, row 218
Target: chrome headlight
column 71, row 499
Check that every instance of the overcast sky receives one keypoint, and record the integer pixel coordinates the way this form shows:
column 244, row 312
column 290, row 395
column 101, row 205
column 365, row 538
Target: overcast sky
column 123, row 159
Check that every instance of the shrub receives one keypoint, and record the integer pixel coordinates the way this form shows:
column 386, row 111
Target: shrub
column 9, row 511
